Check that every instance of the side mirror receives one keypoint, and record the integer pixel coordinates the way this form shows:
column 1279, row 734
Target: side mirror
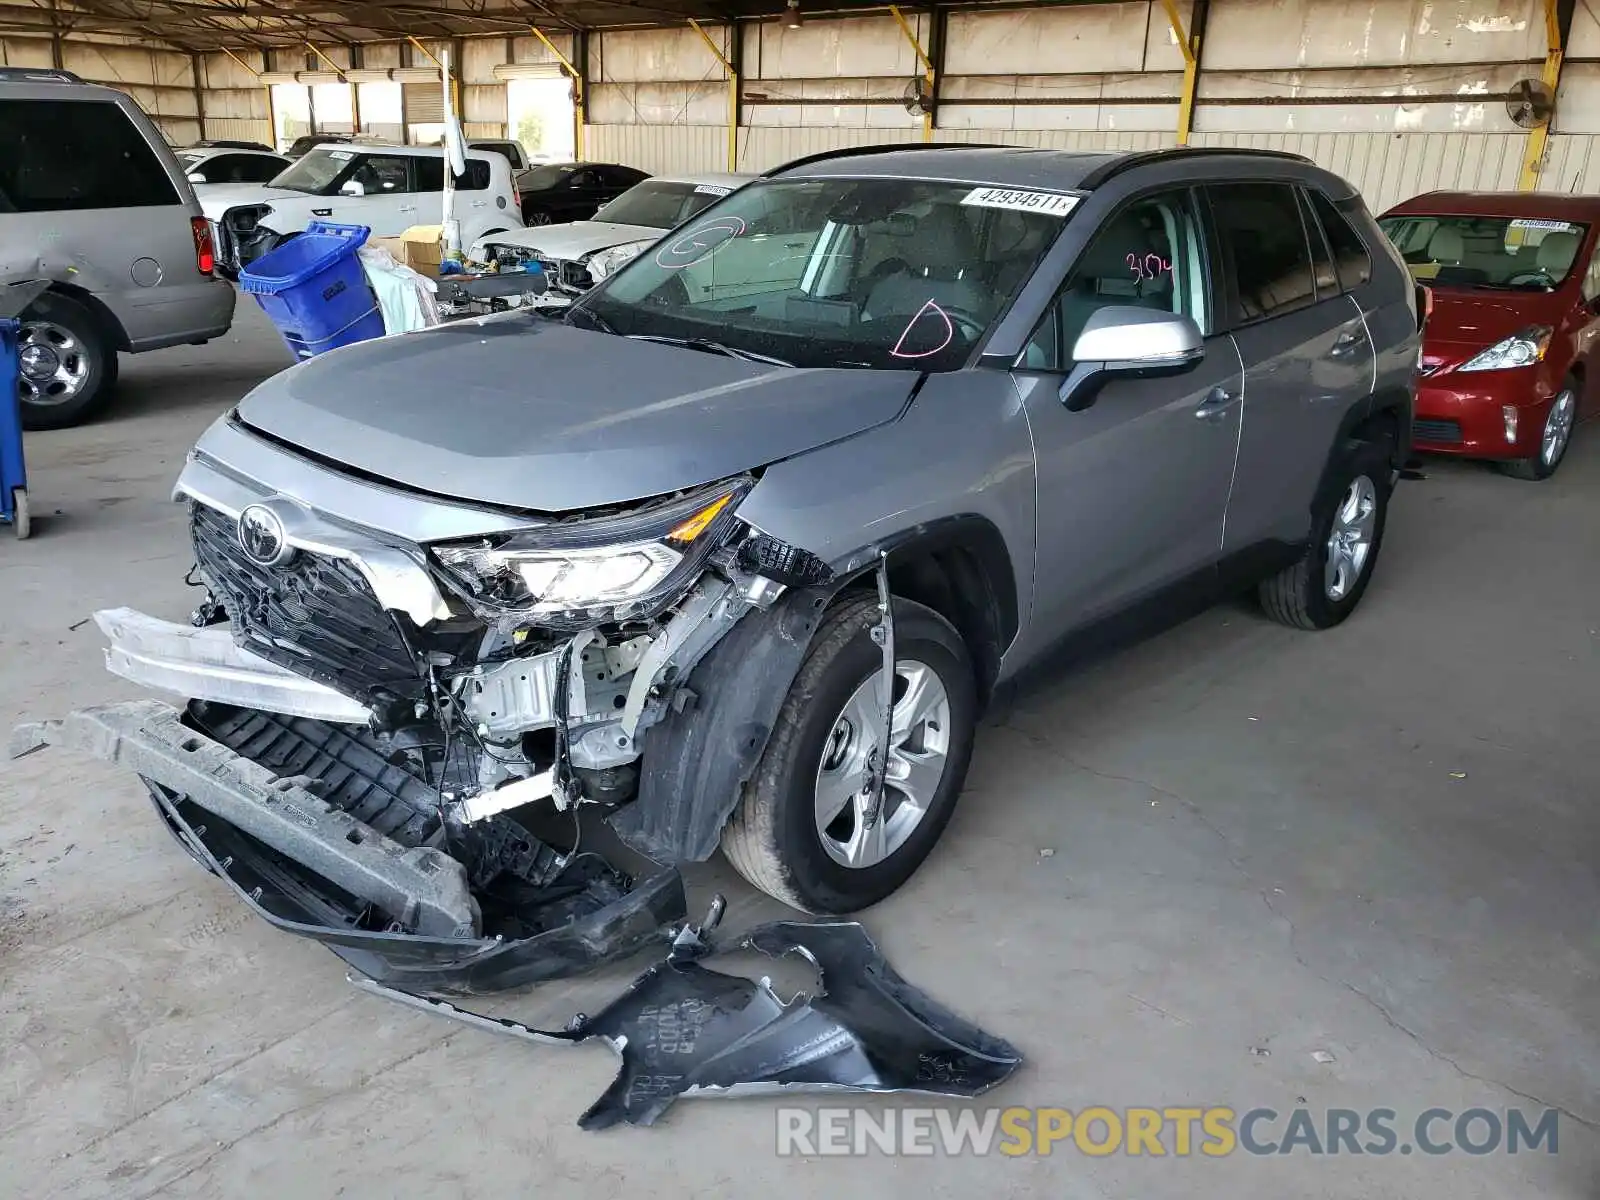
column 1132, row 342
column 196, row 177
column 352, row 187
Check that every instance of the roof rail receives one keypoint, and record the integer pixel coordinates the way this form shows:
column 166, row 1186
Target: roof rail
column 887, row 148
column 1141, row 158
column 36, row 75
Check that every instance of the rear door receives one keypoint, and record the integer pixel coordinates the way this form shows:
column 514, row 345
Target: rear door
column 1307, row 357
column 89, row 188
column 1132, row 490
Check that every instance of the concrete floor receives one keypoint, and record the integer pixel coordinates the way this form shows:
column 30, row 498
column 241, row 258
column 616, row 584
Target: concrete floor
column 1378, row 842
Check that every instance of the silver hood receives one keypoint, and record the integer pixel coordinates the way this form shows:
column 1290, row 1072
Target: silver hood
column 526, row 413
column 217, row 198
column 564, row 243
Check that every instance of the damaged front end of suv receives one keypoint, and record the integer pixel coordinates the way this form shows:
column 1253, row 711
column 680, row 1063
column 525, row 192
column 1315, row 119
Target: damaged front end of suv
column 360, row 717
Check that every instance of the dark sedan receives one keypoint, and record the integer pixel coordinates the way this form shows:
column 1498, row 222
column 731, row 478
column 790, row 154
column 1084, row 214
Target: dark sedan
column 572, row 191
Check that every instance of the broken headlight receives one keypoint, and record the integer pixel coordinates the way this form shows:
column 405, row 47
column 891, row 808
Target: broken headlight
column 605, row 262
column 622, row 567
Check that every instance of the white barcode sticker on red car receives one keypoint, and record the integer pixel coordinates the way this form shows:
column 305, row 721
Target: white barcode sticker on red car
column 1055, row 204
column 1554, row 226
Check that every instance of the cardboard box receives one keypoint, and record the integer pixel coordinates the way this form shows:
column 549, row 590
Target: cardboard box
column 417, row 248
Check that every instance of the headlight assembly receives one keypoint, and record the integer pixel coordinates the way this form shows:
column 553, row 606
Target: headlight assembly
column 605, row 262
column 575, row 573
column 1521, row 349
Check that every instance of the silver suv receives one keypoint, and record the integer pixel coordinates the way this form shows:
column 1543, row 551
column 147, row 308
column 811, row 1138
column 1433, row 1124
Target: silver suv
column 93, row 199
column 738, row 550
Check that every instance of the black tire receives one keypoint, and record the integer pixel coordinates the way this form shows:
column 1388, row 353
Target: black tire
column 537, row 216
column 1535, row 469
column 98, row 354
column 772, row 837
column 1298, row 596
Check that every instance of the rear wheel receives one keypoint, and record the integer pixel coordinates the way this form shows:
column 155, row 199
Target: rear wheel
column 807, row 830
column 1554, row 437
column 535, row 216
column 67, row 365
column 1324, row 587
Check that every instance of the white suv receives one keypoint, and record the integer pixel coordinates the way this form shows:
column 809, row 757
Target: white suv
column 386, row 188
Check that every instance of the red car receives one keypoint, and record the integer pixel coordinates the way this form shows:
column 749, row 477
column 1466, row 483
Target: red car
column 1516, row 311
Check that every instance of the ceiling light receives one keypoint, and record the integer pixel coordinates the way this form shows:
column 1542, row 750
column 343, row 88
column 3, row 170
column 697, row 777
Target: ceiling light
column 791, row 15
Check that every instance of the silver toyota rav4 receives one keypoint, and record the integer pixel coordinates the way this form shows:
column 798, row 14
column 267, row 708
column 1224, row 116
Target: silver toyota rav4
column 739, row 549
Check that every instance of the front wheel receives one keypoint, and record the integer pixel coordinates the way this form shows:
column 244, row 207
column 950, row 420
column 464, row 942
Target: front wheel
column 1554, row 437
column 807, row 830
column 1324, row 587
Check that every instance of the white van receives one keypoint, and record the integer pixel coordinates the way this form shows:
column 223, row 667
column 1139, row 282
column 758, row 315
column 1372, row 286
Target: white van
column 386, row 188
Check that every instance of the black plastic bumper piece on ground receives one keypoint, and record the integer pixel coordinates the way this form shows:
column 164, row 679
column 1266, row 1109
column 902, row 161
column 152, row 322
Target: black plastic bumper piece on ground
column 682, row 1029
column 284, row 896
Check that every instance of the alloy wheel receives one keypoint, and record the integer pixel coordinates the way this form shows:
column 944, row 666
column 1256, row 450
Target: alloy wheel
column 1558, row 428
column 54, row 363
column 855, row 830
column 1350, row 540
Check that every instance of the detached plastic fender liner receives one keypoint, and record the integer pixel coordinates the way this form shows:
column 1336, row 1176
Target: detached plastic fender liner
column 698, row 758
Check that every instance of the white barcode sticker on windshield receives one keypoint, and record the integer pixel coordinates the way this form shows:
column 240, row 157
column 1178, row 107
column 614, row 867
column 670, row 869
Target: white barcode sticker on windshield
column 711, row 189
column 1556, row 226
column 1055, row 204
column 341, row 155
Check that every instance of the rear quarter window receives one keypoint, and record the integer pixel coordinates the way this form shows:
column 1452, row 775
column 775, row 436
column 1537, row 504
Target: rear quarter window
column 72, row 155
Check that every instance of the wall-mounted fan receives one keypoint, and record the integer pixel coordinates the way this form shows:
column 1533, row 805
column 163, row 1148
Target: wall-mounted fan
column 919, row 96
column 1530, row 103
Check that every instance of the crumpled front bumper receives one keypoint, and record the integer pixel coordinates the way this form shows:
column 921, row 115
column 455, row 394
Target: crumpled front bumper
column 406, row 916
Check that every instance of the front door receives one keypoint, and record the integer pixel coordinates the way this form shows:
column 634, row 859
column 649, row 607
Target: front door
column 1132, row 490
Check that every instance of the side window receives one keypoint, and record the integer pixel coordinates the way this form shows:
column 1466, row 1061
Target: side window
column 1149, row 255
column 476, row 178
column 1591, row 277
column 1350, row 257
column 429, row 174
column 380, row 175
column 1264, row 245
column 70, row 155
column 259, row 169
column 1322, row 271
column 583, row 179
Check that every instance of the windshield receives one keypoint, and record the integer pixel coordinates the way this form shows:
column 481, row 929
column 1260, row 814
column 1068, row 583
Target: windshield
column 838, row 272
column 315, row 172
column 1492, row 253
column 661, row 205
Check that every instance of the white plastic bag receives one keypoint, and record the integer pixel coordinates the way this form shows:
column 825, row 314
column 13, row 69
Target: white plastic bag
column 405, row 297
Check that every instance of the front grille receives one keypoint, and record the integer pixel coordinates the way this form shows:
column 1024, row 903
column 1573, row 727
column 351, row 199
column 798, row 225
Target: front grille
column 1444, row 433
column 314, row 615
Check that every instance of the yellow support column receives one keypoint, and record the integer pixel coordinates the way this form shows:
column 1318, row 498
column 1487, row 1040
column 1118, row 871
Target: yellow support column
column 930, row 75
column 1539, row 135
column 733, row 90
column 577, row 90
column 1191, row 70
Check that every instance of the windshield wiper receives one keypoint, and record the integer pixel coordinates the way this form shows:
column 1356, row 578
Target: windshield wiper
column 595, row 320
column 711, row 347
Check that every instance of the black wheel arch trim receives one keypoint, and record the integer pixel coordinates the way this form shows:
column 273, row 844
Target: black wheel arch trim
column 697, row 760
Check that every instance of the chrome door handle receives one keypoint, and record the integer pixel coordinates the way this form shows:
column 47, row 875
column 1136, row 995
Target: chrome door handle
column 1347, row 341
column 1216, row 404
column 480, row 204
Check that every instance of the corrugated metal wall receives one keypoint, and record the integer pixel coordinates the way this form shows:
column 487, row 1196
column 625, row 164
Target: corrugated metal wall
column 1399, row 96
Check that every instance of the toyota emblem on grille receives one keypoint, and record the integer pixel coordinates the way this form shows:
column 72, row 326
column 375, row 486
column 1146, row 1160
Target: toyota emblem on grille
column 262, row 537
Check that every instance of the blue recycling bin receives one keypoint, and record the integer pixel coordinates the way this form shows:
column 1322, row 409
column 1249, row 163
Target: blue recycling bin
column 314, row 290
column 13, row 477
